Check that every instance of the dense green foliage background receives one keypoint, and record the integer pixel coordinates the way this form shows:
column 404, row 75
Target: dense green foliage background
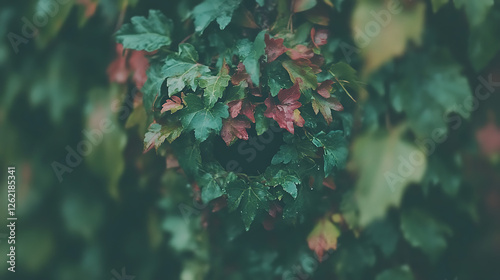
column 419, row 197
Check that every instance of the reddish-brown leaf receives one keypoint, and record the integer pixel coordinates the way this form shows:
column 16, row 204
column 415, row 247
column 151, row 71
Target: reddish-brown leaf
column 315, row 68
column 234, row 128
column 173, row 105
column 325, row 88
column 323, row 237
column 488, row 138
column 243, row 107
column 139, row 64
column 241, row 75
column 285, row 113
column 300, row 51
column 235, row 108
column 118, row 71
column 248, row 111
column 274, row 48
column 319, row 37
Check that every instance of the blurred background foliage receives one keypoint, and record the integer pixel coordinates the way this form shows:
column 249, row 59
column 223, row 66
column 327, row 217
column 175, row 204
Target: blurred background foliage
column 121, row 209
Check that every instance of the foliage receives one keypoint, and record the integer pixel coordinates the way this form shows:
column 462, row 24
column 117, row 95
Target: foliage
column 242, row 139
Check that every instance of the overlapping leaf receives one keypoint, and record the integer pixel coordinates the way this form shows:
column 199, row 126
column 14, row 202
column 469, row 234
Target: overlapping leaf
column 203, row 121
column 215, row 85
column 210, row 10
column 285, row 113
column 157, row 134
column 182, row 69
column 335, row 149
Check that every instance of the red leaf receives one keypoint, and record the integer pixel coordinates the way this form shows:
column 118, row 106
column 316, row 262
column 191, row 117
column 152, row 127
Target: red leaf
column 320, row 37
column 234, row 108
column 285, row 113
column 488, row 138
column 243, row 107
column 139, row 64
column 118, row 70
column 300, row 51
column 274, row 48
column 233, row 128
column 323, row 237
column 248, row 110
column 173, row 105
column 241, row 75
column 324, row 88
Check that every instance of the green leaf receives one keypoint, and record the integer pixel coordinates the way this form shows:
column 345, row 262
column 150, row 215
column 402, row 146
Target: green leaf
column 183, row 70
column 443, row 174
column 484, row 42
column 309, row 80
column 399, row 273
column 148, row 34
column 476, row 10
column 152, row 87
column 287, row 179
column 335, row 149
column 210, row 188
column 294, row 207
column 210, row 10
column 215, row 85
column 286, row 154
column 422, row 231
column 344, row 72
column 431, row 86
column 250, row 54
column 383, row 234
column 261, row 122
column 352, row 259
column 249, row 197
column 157, row 134
column 278, row 78
column 188, row 153
column 294, row 150
column 202, row 120
column 384, row 163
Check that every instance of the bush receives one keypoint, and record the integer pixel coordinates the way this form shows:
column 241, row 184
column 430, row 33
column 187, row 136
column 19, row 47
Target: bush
column 241, row 139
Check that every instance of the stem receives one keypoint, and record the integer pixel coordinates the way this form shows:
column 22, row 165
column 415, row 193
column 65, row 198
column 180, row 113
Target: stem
column 347, row 92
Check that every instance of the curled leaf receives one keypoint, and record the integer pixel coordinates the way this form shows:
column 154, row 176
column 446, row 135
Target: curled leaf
column 173, row 105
